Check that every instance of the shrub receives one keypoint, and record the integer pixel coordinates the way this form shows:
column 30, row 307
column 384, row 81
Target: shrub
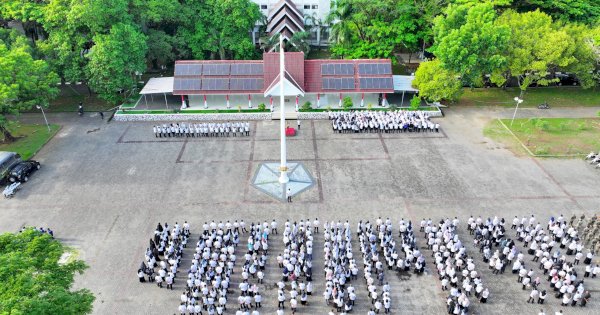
column 415, row 102
column 563, row 126
column 239, row 107
column 369, row 106
column 262, row 106
column 347, row 102
column 307, row 106
column 541, row 150
column 393, row 107
column 542, row 125
column 328, row 108
column 581, row 126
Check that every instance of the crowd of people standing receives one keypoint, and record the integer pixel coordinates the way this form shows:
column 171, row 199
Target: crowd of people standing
column 382, row 121
column 210, row 129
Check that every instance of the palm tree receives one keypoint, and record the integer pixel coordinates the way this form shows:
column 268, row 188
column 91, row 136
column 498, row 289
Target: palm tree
column 299, row 42
column 339, row 19
column 268, row 43
column 316, row 23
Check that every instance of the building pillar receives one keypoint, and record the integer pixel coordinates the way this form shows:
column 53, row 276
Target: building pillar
column 340, row 103
column 384, row 102
column 227, row 97
column 297, row 97
column 249, row 101
column 271, row 103
column 318, row 100
column 183, row 102
column 362, row 100
column 205, row 103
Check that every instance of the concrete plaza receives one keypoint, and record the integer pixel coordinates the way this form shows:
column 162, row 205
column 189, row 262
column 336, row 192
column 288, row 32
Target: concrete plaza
column 103, row 188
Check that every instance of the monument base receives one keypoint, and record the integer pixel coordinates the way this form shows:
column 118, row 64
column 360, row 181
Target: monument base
column 266, row 179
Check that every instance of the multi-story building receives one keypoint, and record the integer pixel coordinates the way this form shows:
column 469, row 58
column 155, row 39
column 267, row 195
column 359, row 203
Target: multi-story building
column 287, row 17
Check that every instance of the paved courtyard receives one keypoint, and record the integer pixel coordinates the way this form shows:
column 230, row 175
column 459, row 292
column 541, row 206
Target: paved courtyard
column 103, row 187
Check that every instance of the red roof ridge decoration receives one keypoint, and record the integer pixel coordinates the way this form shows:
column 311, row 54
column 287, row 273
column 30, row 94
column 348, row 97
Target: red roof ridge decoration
column 285, row 19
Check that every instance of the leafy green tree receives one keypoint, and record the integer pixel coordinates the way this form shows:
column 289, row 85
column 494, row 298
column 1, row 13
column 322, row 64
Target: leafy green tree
column 535, row 47
column 114, row 60
column 33, row 282
column 584, row 11
column 415, row 102
column 24, row 81
column 27, row 12
column 219, row 28
column 435, row 83
column 469, row 42
column 160, row 48
column 372, row 29
column 586, row 53
column 299, row 42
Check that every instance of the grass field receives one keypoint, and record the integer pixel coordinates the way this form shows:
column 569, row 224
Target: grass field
column 555, row 96
column 31, row 138
column 548, row 136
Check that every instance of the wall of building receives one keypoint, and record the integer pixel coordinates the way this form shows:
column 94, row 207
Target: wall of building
column 307, row 7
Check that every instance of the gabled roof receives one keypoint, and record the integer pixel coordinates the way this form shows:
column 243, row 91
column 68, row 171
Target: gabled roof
column 290, row 86
column 285, row 16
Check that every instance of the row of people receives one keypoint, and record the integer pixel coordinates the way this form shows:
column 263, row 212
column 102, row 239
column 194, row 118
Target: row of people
column 163, row 255
column 561, row 273
column 454, row 267
column 371, row 238
column 380, row 121
column 224, row 129
column 209, row 276
column 340, row 266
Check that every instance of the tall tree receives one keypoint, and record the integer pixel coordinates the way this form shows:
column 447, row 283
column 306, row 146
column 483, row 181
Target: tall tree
column 436, row 83
column 33, row 282
column 583, row 11
column 535, row 48
column 469, row 42
column 114, row 61
column 24, row 81
column 372, row 29
column 220, row 28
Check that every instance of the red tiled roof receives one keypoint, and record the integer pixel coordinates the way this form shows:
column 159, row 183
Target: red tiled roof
column 307, row 74
column 294, row 65
column 313, row 77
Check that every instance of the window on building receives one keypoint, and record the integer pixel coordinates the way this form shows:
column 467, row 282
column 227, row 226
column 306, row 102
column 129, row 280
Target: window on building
column 263, row 6
column 315, row 6
column 306, row 6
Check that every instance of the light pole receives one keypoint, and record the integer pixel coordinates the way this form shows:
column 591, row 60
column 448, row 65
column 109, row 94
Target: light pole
column 518, row 101
column 44, row 114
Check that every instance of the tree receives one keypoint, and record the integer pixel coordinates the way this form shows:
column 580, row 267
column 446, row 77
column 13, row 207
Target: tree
column 114, row 61
column 583, row 11
column 372, row 29
column 469, row 42
column 316, row 24
column 33, row 282
column 586, row 53
column 435, row 83
column 219, row 28
column 535, row 48
column 299, row 42
column 160, row 48
column 24, row 81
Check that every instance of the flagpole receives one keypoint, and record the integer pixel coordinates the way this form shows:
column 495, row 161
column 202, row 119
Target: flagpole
column 283, row 178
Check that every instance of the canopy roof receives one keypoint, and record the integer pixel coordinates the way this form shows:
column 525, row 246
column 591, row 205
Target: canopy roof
column 158, row 86
column 403, row 83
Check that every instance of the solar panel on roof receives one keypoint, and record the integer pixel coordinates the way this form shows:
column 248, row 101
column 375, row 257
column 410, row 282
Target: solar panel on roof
column 180, row 68
column 376, row 83
column 215, row 69
column 195, row 69
column 374, row 68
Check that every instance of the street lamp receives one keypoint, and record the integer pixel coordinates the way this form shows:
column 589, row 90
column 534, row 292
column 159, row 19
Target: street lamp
column 518, row 101
column 46, row 120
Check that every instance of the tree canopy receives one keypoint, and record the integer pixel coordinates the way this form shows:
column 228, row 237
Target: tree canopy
column 24, row 81
column 33, row 282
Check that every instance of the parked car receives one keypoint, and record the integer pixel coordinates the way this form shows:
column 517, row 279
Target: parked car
column 21, row 171
column 7, row 161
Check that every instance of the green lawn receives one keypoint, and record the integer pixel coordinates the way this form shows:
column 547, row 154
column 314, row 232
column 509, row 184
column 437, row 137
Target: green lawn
column 31, row 138
column 555, row 96
column 549, row 136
